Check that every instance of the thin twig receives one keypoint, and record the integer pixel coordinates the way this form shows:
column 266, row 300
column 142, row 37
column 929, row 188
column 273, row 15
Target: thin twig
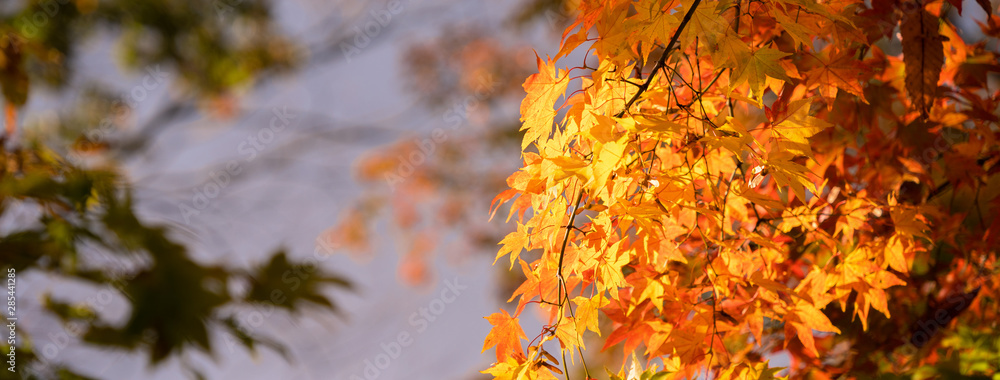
column 562, row 251
column 663, row 59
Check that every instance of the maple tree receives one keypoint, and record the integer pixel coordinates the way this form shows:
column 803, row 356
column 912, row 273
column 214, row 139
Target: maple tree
column 723, row 180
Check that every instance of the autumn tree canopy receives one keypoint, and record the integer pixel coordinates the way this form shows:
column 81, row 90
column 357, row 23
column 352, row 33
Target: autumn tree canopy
column 721, row 181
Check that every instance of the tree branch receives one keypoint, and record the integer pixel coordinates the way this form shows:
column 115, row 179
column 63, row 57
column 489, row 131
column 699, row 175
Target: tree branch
column 663, row 59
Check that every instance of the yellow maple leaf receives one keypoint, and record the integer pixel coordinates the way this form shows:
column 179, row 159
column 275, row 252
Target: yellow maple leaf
column 706, row 22
column 513, row 244
column 586, row 312
column 606, row 161
column 796, row 125
column 508, row 369
column 730, row 52
column 759, row 65
column 544, row 88
column 789, row 173
column 653, row 23
column 805, row 318
column 908, row 221
column 894, row 254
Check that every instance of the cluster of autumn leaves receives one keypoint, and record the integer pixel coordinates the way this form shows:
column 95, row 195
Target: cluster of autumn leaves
column 720, row 180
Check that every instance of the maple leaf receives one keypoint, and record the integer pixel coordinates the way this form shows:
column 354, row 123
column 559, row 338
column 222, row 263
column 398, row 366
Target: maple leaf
column 797, row 31
column 613, row 43
column 804, row 318
column 908, row 221
column 894, row 255
column 789, row 173
column 652, row 22
column 761, row 64
column 923, row 54
column 730, row 52
column 750, row 371
column 569, row 334
column 758, row 278
column 505, row 335
column 512, row 244
column 839, row 69
column 797, row 125
column 509, row 369
column 609, row 270
column 656, row 124
column 608, row 155
column 544, row 89
column 687, row 343
column 761, row 371
column 705, row 22
column 586, row 312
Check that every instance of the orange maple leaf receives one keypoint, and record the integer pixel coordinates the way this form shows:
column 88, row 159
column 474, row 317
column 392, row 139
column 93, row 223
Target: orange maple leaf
column 506, row 335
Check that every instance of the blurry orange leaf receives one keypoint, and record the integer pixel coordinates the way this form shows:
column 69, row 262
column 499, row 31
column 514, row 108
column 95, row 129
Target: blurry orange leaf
column 923, row 54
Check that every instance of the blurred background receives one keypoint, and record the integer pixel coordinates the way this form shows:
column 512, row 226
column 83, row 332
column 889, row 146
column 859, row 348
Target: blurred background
column 260, row 189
